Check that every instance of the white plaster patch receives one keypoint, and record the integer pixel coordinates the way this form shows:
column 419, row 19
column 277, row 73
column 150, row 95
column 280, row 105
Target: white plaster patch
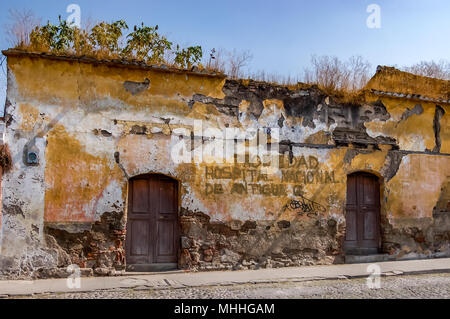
column 110, row 200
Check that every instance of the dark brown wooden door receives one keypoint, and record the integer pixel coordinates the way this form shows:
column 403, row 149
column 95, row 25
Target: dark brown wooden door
column 362, row 214
column 152, row 228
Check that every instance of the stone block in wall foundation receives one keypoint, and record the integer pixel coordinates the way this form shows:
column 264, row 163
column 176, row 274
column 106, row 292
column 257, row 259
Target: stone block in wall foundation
column 105, row 271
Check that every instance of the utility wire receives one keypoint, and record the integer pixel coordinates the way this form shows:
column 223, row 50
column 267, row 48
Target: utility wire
column 1, row 64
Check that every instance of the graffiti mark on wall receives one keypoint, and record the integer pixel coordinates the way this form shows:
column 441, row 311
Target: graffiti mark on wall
column 303, row 206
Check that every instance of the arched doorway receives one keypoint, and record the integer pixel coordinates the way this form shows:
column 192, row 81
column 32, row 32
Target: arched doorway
column 362, row 235
column 152, row 223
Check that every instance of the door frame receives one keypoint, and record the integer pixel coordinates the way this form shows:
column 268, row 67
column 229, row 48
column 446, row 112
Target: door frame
column 380, row 216
column 153, row 266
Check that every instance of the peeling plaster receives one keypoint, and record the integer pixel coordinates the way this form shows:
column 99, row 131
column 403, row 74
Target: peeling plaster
column 93, row 136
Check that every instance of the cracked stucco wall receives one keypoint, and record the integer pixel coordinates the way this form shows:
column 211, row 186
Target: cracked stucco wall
column 96, row 125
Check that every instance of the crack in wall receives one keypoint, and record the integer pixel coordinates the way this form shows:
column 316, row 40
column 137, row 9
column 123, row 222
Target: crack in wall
column 392, row 164
column 438, row 114
column 417, row 110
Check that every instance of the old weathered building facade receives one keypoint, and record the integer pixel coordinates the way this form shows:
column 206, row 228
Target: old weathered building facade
column 117, row 164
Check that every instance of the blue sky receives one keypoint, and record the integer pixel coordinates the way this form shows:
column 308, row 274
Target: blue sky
column 282, row 34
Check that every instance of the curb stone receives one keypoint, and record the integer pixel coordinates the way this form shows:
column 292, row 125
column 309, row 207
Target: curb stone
column 168, row 283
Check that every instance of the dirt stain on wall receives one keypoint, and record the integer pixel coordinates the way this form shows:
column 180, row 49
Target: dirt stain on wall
column 75, row 179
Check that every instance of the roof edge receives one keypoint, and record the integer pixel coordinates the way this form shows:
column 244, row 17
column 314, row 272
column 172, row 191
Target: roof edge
column 390, row 69
column 400, row 83
column 133, row 64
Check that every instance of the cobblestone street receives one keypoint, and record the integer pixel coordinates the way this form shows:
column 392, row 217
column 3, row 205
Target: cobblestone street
column 418, row 286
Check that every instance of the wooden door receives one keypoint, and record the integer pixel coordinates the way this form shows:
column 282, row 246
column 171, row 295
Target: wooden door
column 362, row 214
column 152, row 227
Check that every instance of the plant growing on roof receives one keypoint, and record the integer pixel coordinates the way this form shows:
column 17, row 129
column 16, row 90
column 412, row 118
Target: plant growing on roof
column 81, row 43
column 146, row 44
column 64, row 36
column 42, row 38
column 189, row 56
column 103, row 40
column 105, row 36
column 57, row 38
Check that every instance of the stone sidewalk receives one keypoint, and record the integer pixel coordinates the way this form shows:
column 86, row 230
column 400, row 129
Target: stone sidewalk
column 173, row 280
